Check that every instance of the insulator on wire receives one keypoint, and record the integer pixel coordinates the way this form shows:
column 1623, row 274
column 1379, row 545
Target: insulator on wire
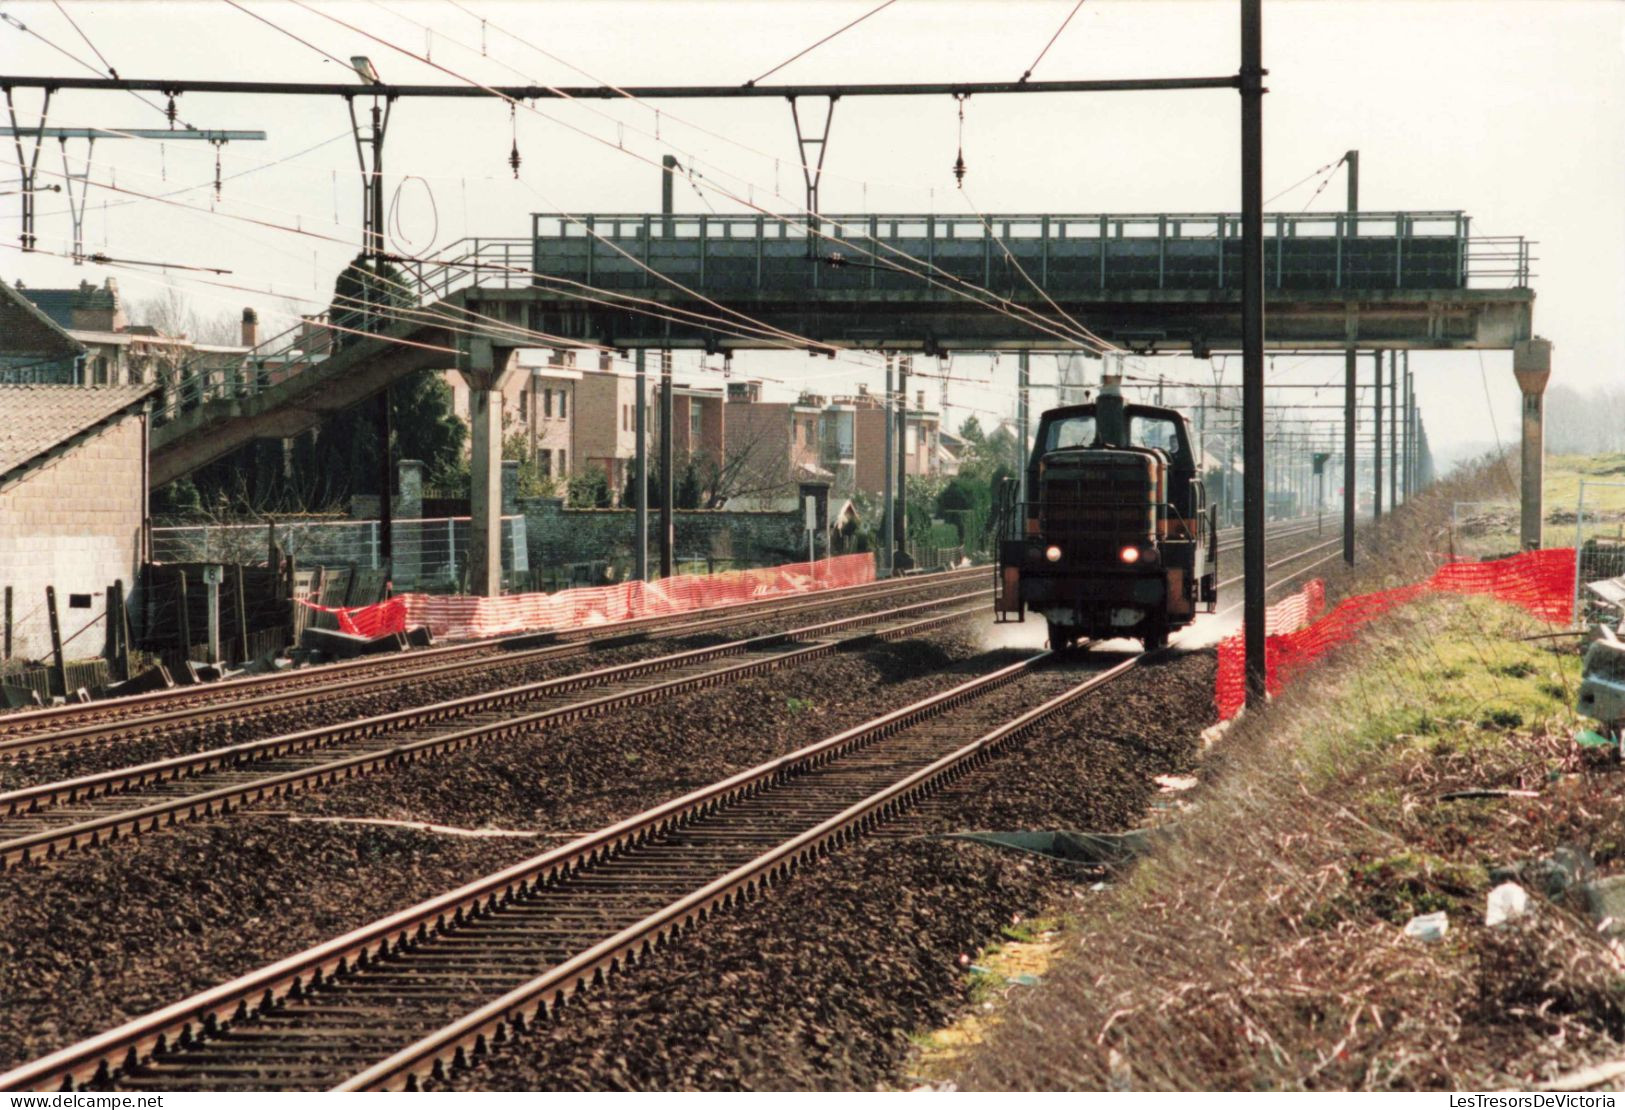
column 959, row 162
column 513, row 155
column 170, row 111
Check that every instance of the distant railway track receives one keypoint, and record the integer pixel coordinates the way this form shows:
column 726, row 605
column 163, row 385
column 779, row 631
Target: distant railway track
column 434, row 987
column 62, row 728
column 41, row 821
column 36, row 732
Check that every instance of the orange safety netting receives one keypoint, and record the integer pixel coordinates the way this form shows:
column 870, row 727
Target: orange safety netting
column 462, row 617
column 1540, row 581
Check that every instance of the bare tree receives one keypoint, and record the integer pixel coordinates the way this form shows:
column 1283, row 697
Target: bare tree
column 755, row 464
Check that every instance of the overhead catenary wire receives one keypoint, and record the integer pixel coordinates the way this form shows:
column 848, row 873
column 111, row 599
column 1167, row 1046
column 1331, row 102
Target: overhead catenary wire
column 23, row 27
column 962, row 285
column 1051, row 42
column 878, row 8
column 957, row 285
column 831, row 238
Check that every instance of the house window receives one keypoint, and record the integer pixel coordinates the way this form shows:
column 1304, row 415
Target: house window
column 544, row 462
column 564, row 405
column 626, row 421
column 547, row 403
column 694, row 414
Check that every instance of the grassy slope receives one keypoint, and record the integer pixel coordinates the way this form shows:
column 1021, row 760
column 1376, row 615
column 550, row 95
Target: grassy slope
column 1264, row 947
column 1493, row 529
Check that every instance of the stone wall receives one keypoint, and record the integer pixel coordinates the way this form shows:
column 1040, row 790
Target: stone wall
column 559, row 537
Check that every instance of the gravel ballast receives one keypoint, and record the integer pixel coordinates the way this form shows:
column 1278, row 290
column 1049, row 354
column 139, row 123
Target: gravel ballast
column 106, row 933
column 500, row 673
column 820, row 984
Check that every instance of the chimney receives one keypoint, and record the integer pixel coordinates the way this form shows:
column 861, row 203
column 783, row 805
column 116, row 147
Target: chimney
column 251, row 328
column 606, row 361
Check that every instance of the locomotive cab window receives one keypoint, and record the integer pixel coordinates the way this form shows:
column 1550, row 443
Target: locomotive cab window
column 1157, row 432
column 1074, row 431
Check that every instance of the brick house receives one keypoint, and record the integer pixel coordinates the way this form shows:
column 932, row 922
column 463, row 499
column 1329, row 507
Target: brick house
column 33, row 347
column 118, row 352
column 539, row 402
column 854, row 442
column 73, row 504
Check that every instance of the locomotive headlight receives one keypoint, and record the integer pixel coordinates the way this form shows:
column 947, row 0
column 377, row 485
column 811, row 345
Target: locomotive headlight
column 1129, row 554
column 1052, row 553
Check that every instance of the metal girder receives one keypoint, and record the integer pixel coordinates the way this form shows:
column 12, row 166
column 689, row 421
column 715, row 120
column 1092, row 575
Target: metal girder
column 172, row 87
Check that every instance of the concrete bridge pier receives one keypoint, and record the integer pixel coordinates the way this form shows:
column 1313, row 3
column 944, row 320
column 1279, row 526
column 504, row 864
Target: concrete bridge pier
column 486, row 367
column 1532, row 364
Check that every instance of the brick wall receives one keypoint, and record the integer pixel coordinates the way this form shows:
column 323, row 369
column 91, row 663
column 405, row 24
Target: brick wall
column 74, row 523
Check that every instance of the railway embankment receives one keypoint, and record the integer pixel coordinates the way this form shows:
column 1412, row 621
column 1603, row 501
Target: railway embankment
column 1332, row 909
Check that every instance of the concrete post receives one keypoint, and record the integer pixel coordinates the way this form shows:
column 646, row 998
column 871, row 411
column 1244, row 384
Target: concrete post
column 486, row 367
column 1532, row 364
column 407, row 565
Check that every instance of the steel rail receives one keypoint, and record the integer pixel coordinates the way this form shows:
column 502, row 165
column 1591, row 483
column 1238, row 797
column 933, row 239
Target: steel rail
column 495, row 655
column 184, row 1023
column 112, row 719
column 471, row 1035
column 51, row 841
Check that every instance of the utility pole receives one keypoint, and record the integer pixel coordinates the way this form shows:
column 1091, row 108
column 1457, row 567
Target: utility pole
column 1393, row 430
column 1350, row 458
column 1022, row 418
column 640, row 466
column 1252, row 342
column 901, row 559
column 887, row 520
column 1352, row 161
column 1376, row 448
column 668, row 535
column 1409, row 401
column 373, row 284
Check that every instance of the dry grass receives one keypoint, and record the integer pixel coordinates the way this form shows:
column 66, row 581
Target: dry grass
column 1264, row 947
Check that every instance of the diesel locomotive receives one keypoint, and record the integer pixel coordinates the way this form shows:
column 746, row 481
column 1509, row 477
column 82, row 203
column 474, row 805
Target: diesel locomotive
column 1115, row 537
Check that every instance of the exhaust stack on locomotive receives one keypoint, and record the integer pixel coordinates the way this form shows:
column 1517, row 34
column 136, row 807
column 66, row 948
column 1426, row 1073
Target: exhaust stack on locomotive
column 1116, row 537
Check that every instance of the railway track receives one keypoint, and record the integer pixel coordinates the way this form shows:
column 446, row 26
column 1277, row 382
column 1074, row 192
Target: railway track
column 41, row 821
column 465, row 971
column 61, row 728
column 434, row 987
column 64, row 728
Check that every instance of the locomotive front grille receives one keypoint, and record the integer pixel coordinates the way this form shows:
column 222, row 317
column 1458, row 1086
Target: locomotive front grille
column 1094, row 505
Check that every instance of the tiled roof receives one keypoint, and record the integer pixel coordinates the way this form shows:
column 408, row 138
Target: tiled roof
column 34, row 419
column 25, row 330
column 59, row 304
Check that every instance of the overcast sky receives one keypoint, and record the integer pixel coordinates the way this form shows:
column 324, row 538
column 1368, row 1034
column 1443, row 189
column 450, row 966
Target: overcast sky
column 1510, row 111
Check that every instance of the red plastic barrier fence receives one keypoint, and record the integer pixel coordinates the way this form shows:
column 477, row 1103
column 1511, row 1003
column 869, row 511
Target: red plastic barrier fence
column 461, row 617
column 1542, row 582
